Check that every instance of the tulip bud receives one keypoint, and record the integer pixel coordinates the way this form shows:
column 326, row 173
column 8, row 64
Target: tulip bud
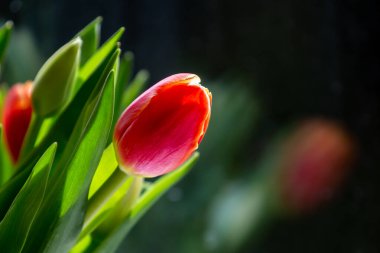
column 17, row 113
column 53, row 83
column 316, row 160
column 163, row 126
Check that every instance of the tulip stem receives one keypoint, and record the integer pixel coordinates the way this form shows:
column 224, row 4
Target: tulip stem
column 104, row 193
column 123, row 207
column 31, row 135
column 126, row 203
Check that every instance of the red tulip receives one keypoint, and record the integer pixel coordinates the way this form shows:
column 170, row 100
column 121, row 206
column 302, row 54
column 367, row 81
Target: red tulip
column 315, row 162
column 163, row 126
column 17, row 113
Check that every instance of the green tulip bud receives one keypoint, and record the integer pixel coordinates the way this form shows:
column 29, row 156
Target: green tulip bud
column 53, row 83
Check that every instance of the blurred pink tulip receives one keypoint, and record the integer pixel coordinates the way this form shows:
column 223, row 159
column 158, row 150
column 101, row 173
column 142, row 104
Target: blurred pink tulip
column 316, row 160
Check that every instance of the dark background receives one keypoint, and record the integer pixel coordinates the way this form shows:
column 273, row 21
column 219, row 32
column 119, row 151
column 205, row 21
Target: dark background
column 299, row 59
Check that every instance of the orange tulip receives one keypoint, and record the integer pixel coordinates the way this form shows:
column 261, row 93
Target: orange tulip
column 17, row 114
column 163, row 126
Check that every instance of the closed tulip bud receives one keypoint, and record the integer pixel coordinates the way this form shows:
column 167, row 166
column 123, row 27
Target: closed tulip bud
column 53, row 83
column 17, row 113
column 163, row 126
column 316, row 160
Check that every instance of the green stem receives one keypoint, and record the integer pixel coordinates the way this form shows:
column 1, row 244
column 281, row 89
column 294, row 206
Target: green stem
column 104, row 193
column 31, row 135
column 123, row 207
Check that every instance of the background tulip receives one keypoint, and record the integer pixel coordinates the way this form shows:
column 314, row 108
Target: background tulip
column 302, row 169
column 17, row 113
column 315, row 161
column 163, row 126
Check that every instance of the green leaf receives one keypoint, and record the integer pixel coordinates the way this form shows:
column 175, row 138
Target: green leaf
column 82, row 245
column 5, row 35
column 9, row 190
column 102, row 214
column 61, row 215
column 91, row 65
column 110, row 243
column 3, row 94
column 15, row 226
column 6, row 167
column 134, row 88
column 90, row 146
column 106, row 167
column 125, row 74
column 90, row 36
column 53, row 84
column 60, row 132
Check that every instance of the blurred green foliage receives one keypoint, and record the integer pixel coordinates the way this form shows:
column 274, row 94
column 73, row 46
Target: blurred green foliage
column 23, row 59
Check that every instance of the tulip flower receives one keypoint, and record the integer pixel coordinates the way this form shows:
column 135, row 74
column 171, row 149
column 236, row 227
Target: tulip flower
column 163, row 126
column 316, row 160
column 17, row 114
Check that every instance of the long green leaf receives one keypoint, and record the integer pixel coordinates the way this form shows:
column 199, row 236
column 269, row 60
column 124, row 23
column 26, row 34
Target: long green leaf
column 61, row 216
column 134, row 88
column 125, row 74
column 6, row 168
column 90, row 36
column 5, row 34
column 16, row 224
column 102, row 214
column 97, row 58
column 106, row 167
column 89, row 147
column 9, row 190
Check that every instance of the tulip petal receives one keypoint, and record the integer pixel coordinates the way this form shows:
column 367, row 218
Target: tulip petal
column 138, row 105
column 163, row 127
column 16, row 117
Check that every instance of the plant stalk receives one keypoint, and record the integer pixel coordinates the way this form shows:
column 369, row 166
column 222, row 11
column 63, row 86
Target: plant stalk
column 104, row 193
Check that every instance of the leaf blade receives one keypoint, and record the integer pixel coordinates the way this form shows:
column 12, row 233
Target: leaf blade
column 16, row 224
column 62, row 215
column 6, row 168
column 5, row 34
column 90, row 36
